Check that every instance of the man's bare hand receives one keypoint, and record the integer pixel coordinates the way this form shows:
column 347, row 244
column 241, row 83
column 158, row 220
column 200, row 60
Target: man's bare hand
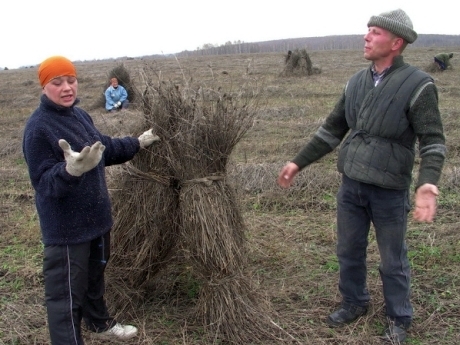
column 425, row 202
column 287, row 174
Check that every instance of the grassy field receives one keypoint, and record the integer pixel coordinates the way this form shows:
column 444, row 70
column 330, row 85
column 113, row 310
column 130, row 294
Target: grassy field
column 291, row 233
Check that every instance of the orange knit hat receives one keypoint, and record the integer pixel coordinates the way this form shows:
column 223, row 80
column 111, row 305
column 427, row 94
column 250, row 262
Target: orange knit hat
column 53, row 67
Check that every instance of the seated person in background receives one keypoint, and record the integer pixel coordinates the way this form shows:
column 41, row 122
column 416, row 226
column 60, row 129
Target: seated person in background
column 116, row 97
column 443, row 60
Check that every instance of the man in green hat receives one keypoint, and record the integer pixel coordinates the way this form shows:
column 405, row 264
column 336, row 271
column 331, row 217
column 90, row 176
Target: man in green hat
column 383, row 111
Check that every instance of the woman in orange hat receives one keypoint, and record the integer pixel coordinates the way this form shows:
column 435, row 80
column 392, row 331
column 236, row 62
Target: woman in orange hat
column 116, row 96
column 66, row 157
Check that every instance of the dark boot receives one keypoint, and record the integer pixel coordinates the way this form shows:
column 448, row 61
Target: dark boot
column 345, row 315
column 395, row 334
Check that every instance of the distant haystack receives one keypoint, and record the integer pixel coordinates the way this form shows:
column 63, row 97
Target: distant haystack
column 298, row 62
column 433, row 67
column 124, row 79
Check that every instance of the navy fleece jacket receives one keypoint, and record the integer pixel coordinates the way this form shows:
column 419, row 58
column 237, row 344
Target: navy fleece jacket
column 71, row 209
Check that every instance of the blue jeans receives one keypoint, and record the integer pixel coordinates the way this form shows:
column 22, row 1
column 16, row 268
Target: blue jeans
column 359, row 204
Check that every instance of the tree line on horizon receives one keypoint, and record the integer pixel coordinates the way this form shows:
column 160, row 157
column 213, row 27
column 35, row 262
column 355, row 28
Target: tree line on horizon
column 338, row 42
column 343, row 42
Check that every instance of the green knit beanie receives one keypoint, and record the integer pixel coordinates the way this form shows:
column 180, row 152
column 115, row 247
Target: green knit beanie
column 397, row 22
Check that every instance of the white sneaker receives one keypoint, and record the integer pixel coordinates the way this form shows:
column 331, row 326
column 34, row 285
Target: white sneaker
column 120, row 331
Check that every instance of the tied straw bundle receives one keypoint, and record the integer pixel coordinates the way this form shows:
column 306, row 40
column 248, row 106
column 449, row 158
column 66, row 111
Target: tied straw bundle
column 185, row 204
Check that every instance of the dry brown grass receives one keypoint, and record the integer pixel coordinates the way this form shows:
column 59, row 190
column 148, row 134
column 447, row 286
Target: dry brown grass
column 290, row 233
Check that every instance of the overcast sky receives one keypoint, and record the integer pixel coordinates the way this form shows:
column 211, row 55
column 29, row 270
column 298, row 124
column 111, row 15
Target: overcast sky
column 32, row 30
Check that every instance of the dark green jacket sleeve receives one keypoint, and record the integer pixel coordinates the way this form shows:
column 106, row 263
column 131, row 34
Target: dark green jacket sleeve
column 327, row 138
column 426, row 120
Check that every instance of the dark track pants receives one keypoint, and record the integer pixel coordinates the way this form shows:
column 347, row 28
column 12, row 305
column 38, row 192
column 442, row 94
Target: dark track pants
column 74, row 289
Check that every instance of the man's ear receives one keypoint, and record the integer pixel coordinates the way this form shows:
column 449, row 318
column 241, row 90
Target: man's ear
column 398, row 43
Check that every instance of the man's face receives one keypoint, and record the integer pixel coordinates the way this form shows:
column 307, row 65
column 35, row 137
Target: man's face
column 114, row 82
column 62, row 90
column 379, row 43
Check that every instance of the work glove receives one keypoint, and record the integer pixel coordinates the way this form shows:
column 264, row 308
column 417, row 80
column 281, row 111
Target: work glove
column 87, row 159
column 115, row 106
column 118, row 104
column 148, row 138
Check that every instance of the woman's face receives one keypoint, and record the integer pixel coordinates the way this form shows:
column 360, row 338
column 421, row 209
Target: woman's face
column 114, row 82
column 62, row 90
